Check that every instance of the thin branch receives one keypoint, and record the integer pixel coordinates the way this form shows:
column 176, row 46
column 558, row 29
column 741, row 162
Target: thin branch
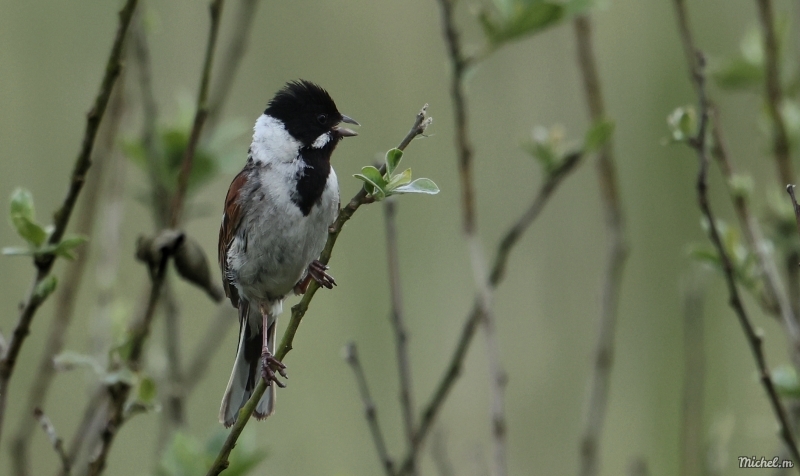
column 159, row 196
column 71, row 281
column 772, row 83
column 55, row 440
column 698, row 143
column 421, row 122
column 215, row 10
column 370, row 412
column 398, row 322
column 483, row 290
column 511, row 237
column 61, row 218
column 597, row 402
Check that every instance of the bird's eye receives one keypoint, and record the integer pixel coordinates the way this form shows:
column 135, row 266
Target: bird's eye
column 322, row 118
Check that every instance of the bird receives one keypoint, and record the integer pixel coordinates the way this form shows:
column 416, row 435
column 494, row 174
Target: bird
column 275, row 223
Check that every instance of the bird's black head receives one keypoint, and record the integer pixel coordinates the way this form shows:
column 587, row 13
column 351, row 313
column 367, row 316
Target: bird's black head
column 307, row 111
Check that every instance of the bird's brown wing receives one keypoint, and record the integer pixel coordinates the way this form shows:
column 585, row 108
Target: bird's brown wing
column 231, row 220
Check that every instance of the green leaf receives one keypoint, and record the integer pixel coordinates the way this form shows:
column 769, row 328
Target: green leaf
column 146, row 390
column 69, row 360
column 17, row 251
column 393, row 160
column 45, row 287
column 123, row 375
column 682, row 123
column 421, row 185
column 526, row 18
column 785, row 379
column 65, row 248
column 369, row 186
column 598, row 135
column 375, row 184
column 398, row 180
column 22, row 216
column 738, row 73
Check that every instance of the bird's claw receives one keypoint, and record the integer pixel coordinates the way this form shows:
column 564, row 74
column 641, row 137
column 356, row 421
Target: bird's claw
column 267, row 373
column 317, row 271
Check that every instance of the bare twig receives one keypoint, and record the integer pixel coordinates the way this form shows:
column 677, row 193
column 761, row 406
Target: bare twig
column 597, row 402
column 483, row 290
column 83, row 162
column 398, row 322
column 772, row 83
column 71, row 282
column 370, row 412
column 55, row 440
column 215, row 10
column 698, row 143
column 511, row 237
column 421, row 122
column 692, row 430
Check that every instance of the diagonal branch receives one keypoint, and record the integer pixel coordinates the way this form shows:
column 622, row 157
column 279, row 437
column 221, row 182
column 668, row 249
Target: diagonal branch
column 71, row 282
column 370, row 412
column 698, row 143
column 215, row 10
column 472, row 320
column 61, row 218
column 421, row 122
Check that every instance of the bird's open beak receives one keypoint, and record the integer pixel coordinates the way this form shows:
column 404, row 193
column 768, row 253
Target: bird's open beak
column 345, row 132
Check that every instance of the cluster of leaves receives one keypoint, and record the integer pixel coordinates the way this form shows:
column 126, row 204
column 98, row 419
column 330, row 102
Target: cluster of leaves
column 512, row 20
column 187, row 456
column 550, row 148
column 380, row 186
column 23, row 218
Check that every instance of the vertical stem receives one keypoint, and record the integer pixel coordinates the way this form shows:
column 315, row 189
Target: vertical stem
column 464, row 151
column 772, row 84
column 400, row 330
column 604, row 351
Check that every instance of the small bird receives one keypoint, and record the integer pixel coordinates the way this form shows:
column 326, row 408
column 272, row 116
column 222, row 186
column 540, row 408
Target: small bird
column 274, row 227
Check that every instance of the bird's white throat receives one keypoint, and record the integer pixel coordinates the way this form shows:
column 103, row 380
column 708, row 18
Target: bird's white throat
column 272, row 142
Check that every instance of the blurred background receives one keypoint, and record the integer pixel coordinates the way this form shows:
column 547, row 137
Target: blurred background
column 381, row 61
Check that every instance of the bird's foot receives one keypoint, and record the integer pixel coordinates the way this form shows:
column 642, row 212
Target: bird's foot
column 269, row 362
column 316, row 271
